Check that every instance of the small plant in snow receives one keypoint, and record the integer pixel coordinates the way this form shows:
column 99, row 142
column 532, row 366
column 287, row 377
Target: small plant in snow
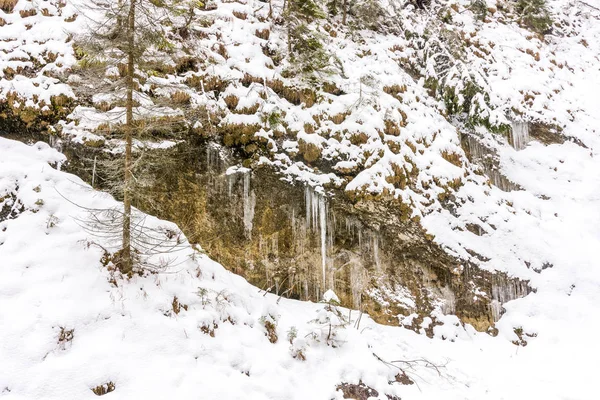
column 106, row 388
column 297, row 346
column 65, row 336
column 292, row 334
column 270, row 323
column 330, row 322
column 177, row 306
column 479, row 9
column 51, row 222
column 204, row 298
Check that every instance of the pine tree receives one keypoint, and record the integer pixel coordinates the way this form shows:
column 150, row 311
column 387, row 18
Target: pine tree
column 367, row 13
column 131, row 36
column 534, row 15
column 305, row 46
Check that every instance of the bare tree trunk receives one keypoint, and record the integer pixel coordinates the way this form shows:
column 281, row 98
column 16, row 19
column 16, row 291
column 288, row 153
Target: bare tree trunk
column 344, row 7
column 126, row 259
column 287, row 15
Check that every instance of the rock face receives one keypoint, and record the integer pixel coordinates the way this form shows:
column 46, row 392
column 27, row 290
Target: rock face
column 288, row 239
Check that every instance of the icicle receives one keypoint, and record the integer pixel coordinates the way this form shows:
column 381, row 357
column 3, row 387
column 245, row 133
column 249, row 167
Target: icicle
column 230, row 179
column 505, row 290
column 449, row 304
column 249, row 204
column 323, row 227
column 316, row 217
column 275, row 244
column 484, row 157
column 496, row 310
column 308, row 205
column 294, row 233
column 520, row 135
column 376, row 252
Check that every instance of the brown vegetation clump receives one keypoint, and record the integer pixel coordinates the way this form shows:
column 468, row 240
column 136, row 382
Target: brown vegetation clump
column 452, row 158
column 271, row 331
column 8, row 5
column 263, row 34
column 240, row 15
column 357, row 392
column 391, row 128
column 177, row 306
column 231, row 101
column 180, row 97
column 106, row 388
column 65, row 335
column 310, row 151
column 28, row 13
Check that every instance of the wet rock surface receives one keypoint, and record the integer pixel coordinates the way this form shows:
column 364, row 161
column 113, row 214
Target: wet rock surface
column 288, row 239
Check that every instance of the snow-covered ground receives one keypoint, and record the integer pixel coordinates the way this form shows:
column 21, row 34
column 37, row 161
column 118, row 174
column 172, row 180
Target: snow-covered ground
column 125, row 331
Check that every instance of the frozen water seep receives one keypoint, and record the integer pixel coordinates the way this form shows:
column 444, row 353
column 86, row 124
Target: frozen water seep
column 249, row 205
column 520, row 135
column 317, row 217
column 376, row 252
column 448, row 305
column 505, row 290
column 484, row 157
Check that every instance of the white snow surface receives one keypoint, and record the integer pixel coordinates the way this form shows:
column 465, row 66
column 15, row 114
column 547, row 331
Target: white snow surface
column 547, row 233
column 51, row 278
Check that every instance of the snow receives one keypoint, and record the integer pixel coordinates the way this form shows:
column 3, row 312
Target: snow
column 542, row 227
column 329, row 296
column 126, row 332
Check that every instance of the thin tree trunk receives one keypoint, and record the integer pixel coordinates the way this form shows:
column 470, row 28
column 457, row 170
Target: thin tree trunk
column 345, row 7
column 127, row 262
column 287, row 15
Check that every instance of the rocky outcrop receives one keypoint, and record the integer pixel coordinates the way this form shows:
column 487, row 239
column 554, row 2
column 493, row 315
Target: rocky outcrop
column 289, row 239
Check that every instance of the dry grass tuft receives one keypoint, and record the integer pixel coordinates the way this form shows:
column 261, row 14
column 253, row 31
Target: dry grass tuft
column 106, row 388
column 28, row 13
column 231, row 101
column 180, row 98
column 263, row 34
column 8, row 5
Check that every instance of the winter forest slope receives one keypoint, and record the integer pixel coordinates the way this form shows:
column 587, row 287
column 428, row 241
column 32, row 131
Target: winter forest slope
column 480, row 133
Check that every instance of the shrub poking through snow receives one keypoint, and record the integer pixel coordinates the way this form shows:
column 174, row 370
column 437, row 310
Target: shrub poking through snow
column 534, row 15
column 177, row 306
column 209, row 329
column 479, row 9
column 330, row 322
column 305, row 46
column 106, row 388
column 359, row 392
column 270, row 324
column 8, row 5
column 65, row 335
column 403, row 379
column 297, row 346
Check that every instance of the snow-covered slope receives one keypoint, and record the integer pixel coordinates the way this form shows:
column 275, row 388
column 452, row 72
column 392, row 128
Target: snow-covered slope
column 133, row 333
column 380, row 122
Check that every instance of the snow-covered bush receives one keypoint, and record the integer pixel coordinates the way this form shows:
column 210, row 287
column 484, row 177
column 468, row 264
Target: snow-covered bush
column 297, row 346
column 269, row 322
column 305, row 46
column 534, row 15
column 330, row 322
column 479, row 9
